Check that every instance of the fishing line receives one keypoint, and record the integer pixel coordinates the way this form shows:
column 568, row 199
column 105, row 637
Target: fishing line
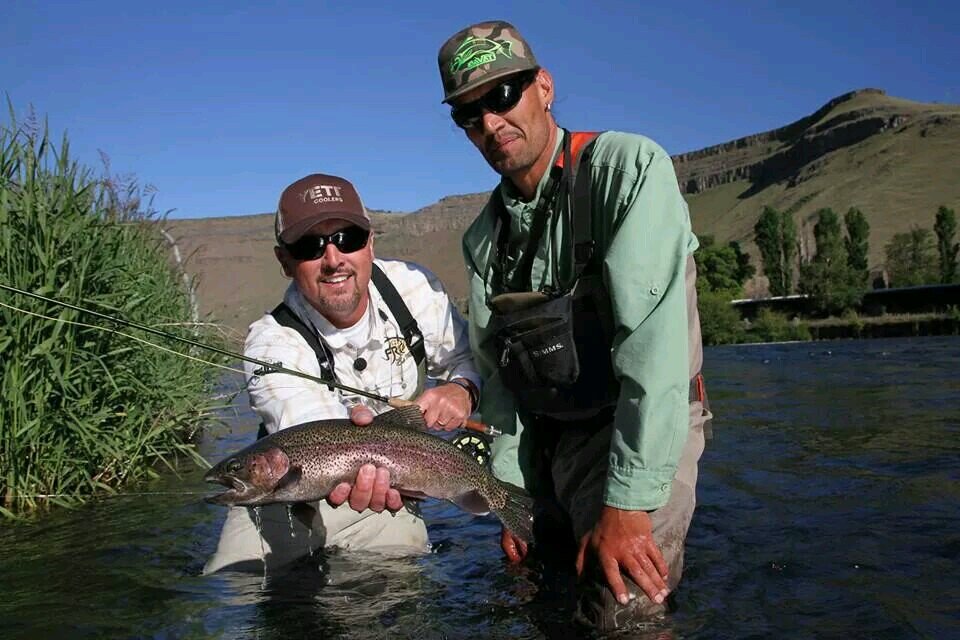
column 126, row 335
column 110, row 495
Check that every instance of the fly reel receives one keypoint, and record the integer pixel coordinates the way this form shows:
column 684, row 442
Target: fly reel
column 476, row 445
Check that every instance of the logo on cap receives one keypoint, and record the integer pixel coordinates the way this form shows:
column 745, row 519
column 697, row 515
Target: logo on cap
column 321, row 193
column 474, row 52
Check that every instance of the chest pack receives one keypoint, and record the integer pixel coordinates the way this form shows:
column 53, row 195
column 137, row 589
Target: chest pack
column 553, row 345
column 408, row 327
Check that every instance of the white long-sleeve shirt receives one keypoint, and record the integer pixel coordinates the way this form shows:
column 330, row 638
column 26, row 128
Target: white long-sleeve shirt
column 283, row 400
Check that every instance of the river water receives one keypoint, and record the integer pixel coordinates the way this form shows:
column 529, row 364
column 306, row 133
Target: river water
column 829, row 507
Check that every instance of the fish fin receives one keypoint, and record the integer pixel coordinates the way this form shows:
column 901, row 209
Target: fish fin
column 409, row 417
column 472, row 502
column 303, row 512
column 419, row 495
column 516, row 514
column 293, row 476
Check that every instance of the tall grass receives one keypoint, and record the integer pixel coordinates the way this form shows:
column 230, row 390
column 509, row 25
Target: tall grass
column 84, row 411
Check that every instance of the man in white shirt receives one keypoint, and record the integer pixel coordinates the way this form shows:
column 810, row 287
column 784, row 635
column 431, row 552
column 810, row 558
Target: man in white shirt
column 325, row 245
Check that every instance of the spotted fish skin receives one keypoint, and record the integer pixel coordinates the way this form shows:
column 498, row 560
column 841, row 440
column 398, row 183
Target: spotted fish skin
column 303, row 463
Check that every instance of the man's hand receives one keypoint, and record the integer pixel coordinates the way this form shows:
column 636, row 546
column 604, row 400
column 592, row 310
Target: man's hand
column 371, row 490
column 622, row 542
column 445, row 406
column 514, row 548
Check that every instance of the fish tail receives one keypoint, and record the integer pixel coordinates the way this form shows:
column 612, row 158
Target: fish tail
column 516, row 514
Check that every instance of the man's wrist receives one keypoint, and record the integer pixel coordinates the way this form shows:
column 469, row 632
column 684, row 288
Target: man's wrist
column 472, row 390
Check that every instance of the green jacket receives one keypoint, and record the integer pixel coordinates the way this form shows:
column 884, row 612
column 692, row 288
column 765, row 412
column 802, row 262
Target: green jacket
column 642, row 230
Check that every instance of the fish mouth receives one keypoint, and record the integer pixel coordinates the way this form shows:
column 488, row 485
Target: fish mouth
column 236, row 489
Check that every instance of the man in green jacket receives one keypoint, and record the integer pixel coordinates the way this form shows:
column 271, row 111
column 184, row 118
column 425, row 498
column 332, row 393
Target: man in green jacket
column 611, row 456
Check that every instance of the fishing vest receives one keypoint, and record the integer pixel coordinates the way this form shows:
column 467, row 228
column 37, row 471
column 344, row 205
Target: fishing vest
column 285, row 316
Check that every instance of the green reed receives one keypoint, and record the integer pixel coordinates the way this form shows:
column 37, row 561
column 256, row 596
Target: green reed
column 85, row 411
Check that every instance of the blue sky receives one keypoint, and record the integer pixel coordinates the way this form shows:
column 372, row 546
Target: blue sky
column 220, row 105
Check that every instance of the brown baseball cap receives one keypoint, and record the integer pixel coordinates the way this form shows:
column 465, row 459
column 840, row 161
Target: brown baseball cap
column 480, row 53
column 313, row 199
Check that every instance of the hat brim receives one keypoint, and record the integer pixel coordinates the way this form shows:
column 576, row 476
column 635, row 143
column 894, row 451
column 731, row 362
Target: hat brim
column 297, row 231
column 489, row 77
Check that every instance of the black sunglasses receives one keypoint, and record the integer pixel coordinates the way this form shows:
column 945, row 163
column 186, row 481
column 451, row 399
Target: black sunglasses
column 500, row 99
column 346, row 240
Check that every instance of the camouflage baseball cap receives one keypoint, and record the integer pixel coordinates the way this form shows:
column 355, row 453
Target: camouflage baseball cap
column 482, row 52
column 313, row 199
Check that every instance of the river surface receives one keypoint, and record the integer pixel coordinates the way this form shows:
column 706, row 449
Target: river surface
column 829, row 507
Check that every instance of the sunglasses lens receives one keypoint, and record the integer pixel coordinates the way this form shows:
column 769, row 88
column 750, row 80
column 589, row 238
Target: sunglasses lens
column 345, row 240
column 350, row 239
column 500, row 99
column 307, row 248
column 467, row 115
column 504, row 97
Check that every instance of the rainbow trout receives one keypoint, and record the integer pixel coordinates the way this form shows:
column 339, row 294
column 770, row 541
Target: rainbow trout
column 305, row 462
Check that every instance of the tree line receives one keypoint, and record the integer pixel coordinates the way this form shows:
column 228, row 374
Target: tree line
column 834, row 272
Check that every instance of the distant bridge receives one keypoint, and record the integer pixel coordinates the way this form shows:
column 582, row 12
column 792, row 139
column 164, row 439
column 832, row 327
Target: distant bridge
column 929, row 298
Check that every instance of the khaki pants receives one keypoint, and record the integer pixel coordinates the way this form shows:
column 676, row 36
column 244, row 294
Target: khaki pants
column 286, row 538
column 573, row 475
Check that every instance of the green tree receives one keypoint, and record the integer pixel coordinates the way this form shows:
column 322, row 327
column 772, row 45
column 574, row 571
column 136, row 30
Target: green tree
column 857, row 244
column 946, row 229
column 745, row 270
column 766, row 233
column 827, row 278
column 720, row 321
column 776, row 236
column 788, row 251
column 721, row 272
column 720, row 267
column 911, row 258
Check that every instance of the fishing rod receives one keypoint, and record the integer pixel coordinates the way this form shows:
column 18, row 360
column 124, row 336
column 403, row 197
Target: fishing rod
column 265, row 367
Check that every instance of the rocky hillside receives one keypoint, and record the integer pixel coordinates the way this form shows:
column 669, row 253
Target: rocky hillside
column 767, row 158
column 894, row 159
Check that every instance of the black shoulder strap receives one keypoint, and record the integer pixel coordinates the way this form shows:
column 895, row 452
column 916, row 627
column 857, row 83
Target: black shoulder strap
column 285, row 316
column 408, row 325
column 580, row 203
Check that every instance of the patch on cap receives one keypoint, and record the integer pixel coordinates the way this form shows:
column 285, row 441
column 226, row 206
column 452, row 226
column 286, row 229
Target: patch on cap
column 313, row 199
column 482, row 52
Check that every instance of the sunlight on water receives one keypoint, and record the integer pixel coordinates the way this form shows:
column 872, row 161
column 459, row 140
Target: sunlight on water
column 828, row 506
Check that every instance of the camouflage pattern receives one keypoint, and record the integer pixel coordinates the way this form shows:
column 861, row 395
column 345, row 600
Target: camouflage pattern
column 482, row 52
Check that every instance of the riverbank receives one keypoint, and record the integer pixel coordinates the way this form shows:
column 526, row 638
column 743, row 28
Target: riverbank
column 885, row 326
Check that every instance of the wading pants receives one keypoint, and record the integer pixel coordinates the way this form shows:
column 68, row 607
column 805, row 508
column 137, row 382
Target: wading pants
column 286, row 538
column 571, row 469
